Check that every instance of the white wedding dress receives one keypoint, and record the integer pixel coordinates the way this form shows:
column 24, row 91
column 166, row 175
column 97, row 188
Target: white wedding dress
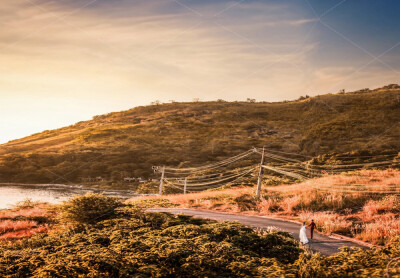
column 303, row 235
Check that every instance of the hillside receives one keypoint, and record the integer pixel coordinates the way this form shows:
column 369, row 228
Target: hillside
column 128, row 143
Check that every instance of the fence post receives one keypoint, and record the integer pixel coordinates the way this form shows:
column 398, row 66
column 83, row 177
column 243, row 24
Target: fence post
column 260, row 174
column 162, row 180
column 184, row 187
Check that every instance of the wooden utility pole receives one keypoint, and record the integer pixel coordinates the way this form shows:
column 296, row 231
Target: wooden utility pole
column 162, row 180
column 260, row 174
column 184, row 187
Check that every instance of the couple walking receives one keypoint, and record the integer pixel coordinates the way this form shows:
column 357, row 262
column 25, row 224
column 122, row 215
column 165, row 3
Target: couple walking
column 303, row 235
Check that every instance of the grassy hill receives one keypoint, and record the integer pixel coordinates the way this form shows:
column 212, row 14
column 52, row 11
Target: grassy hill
column 128, row 143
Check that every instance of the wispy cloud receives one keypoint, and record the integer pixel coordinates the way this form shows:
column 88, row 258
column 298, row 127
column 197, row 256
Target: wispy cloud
column 96, row 55
column 295, row 22
column 163, row 53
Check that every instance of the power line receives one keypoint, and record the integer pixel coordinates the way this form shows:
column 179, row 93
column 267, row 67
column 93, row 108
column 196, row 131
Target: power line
column 210, row 185
column 197, row 178
column 214, row 181
column 294, row 154
column 213, row 165
column 212, row 177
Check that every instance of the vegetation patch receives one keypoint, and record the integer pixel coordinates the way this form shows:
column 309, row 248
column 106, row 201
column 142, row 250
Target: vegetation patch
column 154, row 203
column 127, row 144
column 350, row 204
column 25, row 219
column 132, row 243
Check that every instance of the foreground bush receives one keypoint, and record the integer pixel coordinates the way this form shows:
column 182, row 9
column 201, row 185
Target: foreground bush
column 353, row 263
column 137, row 244
column 132, row 243
column 89, row 208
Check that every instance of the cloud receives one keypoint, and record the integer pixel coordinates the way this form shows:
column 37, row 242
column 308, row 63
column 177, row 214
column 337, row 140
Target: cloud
column 54, row 47
column 296, row 22
column 112, row 55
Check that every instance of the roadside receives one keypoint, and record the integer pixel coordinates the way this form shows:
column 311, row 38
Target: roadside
column 326, row 245
column 353, row 204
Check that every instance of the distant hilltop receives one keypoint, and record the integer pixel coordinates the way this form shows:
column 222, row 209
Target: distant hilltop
column 128, row 143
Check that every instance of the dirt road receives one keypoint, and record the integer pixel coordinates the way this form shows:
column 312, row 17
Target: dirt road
column 326, row 245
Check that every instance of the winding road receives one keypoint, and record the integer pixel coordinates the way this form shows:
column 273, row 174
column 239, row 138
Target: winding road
column 326, row 245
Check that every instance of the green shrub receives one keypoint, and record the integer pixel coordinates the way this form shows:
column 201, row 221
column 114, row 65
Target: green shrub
column 26, row 204
column 355, row 262
column 154, row 203
column 137, row 244
column 89, row 208
column 133, row 244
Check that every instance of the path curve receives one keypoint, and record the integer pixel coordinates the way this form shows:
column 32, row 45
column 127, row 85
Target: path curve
column 326, row 245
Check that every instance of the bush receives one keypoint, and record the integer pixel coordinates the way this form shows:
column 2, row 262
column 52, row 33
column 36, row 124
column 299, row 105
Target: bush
column 137, row 244
column 90, row 208
column 150, row 245
column 154, row 203
column 352, row 263
column 26, row 204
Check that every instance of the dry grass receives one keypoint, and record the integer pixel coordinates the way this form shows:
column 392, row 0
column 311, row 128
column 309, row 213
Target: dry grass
column 351, row 204
column 31, row 212
column 328, row 222
column 384, row 227
column 24, row 220
column 372, row 180
column 10, row 225
column 384, row 205
column 25, row 233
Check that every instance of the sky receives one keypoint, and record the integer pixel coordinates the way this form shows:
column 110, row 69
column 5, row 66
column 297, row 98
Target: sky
column 64, row 61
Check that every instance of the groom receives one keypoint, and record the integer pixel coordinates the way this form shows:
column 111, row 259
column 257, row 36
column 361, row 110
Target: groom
column 312, row 227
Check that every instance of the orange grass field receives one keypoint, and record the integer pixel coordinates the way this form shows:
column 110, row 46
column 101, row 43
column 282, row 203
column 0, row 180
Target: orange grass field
column 25, row 220
column 363, row 204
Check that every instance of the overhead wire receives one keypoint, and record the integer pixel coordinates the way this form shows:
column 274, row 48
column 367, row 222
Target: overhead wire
column 214, row 181
column 202, row 174
column 197, row 178
column 211, row 177
column 213, row 165
column 231, row 182
column 296, row 176
column 294, row 154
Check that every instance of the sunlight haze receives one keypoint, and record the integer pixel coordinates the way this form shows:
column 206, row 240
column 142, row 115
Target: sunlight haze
column 65, row 61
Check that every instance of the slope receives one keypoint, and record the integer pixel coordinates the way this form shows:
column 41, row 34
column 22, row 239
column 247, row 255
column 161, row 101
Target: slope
column 128, row 143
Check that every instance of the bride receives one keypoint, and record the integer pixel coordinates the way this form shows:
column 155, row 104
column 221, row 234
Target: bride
column 303, row 235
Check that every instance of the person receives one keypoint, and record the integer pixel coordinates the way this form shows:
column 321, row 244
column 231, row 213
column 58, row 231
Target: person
column 312, row 227
column 303, row 235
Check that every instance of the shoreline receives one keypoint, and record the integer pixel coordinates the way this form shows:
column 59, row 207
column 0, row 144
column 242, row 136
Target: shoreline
column 72, row 190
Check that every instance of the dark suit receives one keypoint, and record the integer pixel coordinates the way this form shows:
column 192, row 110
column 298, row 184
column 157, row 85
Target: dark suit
column 312, row 227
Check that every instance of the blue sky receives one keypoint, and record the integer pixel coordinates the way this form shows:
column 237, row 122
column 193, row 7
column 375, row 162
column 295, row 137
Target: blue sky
column 67, row 60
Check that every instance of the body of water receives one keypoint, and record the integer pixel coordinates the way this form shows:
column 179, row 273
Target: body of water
column 10, row 194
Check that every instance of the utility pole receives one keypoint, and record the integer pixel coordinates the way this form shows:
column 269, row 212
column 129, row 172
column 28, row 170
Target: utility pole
column 162, row 180
column 184, row 187
column 260, row 174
